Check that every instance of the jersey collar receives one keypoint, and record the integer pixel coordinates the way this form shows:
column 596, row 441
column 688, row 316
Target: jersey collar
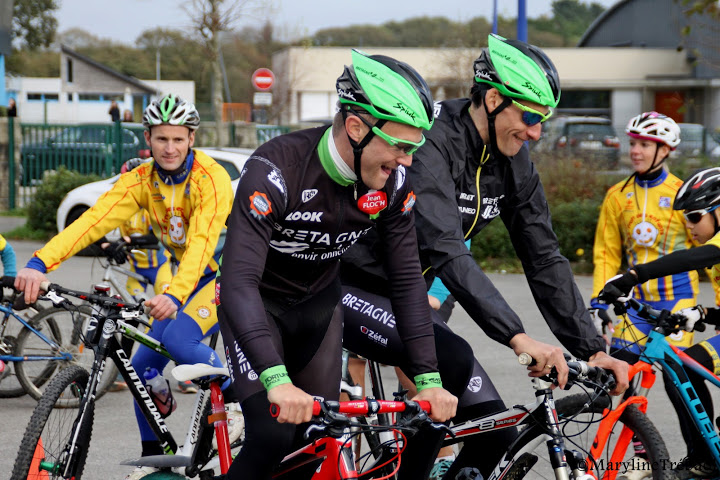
column 332, row 162
column 175, row 178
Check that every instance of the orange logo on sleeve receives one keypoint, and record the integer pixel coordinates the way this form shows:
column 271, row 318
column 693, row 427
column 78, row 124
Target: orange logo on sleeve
column 260, row 205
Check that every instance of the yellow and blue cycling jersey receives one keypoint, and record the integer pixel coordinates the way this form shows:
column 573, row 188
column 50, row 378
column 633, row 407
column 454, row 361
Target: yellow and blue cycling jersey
column 151, row 263
column 187, row 213
column 639, row 222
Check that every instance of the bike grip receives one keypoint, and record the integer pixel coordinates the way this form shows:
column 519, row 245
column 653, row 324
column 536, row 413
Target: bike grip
column 317, row 410
column 526, row 359
column 45, row 286
column 425, row 405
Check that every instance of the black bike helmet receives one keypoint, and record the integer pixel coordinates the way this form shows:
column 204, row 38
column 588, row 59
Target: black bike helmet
column 701, row 191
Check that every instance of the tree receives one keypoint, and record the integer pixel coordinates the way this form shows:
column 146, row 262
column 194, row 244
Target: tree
column 211, row 18
column 34, row 23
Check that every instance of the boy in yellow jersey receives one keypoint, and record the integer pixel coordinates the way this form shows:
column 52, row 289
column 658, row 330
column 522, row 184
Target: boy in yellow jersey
column 699, row 199
column 637, row 220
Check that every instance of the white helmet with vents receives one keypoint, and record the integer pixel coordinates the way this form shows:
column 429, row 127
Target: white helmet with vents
column 656, row 127
column 171, row 110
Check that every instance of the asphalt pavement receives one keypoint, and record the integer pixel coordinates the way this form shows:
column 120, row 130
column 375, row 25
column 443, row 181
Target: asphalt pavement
column 115, row 435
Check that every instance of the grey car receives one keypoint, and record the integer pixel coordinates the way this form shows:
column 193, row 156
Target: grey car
column 590, row 139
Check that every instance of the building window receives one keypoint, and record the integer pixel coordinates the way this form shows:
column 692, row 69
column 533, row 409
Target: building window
column 34, row 96
column 89, row 97
column 69, row 70
column 42, row 97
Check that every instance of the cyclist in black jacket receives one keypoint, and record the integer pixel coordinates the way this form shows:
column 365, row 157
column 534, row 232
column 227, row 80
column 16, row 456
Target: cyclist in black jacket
column 474, row 167
column 303, row 199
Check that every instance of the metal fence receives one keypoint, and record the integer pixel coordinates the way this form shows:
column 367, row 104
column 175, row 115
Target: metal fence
column 98, row 149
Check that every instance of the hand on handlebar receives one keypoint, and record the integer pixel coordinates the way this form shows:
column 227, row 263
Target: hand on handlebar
column 443, row 404
column 28, row 280
column 117, row 250
column 692, row 316
column 546, row 357
column 619, row 288
column 294, row 405
column 618, row 367
column 161, row 307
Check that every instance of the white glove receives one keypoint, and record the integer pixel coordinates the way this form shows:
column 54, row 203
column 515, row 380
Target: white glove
column 692, row 315
column 602, row 321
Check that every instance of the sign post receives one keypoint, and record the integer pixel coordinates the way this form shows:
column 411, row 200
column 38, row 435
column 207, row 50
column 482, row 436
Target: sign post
column 263, row 80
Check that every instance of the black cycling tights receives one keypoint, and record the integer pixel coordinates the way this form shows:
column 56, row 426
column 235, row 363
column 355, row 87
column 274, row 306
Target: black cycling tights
column 256, row 460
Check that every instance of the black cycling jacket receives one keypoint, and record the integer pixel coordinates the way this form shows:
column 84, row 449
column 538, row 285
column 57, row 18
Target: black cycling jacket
column 450, row 210
column 290, row 223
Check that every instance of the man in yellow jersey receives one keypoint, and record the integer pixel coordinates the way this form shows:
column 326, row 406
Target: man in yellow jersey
column 188, row 197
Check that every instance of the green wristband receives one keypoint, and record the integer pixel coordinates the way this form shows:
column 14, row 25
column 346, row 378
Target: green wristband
column 428, row 380
column 274, row 376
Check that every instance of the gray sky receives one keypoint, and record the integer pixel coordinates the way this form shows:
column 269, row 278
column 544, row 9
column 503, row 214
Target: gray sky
column 125, row 20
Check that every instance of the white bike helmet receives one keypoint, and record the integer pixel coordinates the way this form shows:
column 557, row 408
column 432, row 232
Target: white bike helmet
column 171, row 110
column 656, row 127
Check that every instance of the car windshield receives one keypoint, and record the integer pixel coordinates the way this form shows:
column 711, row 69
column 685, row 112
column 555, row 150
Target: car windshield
column 231, row 169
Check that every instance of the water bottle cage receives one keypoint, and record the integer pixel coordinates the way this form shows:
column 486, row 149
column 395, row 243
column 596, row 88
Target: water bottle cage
column 165, row 407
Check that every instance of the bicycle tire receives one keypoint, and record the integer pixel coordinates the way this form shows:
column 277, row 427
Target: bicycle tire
column 55, row 426
column 579, row 426
column 70, row 324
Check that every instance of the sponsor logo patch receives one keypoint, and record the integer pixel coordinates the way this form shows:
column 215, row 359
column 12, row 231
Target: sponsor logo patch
column 260, row 205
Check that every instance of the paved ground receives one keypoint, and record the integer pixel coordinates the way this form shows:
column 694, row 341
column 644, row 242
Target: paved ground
column 115, row 435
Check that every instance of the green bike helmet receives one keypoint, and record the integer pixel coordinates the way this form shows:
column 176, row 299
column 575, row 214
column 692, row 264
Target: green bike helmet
column 171, row 110
column 387, row 89
column 518, row 70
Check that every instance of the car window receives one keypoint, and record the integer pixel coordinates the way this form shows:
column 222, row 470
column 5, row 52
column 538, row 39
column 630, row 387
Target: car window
column 597, row 129
column 230, row 167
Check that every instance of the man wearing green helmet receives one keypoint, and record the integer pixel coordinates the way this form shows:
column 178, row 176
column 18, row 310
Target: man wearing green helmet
column 473, row 167
column 303, row 199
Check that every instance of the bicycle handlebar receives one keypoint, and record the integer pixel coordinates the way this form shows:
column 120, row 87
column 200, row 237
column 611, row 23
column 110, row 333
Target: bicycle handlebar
column 667, row 321
column 580, row 372
column 55, row 292
column 330, row 418
column 355, row 408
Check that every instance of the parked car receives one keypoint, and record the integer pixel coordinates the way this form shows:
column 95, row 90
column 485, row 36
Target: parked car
column 84, row 148
column 591, row 139
column 78, row 200
column 696, row 141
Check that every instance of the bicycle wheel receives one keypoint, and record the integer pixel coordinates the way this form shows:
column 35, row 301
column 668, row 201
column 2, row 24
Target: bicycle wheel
column 50, row 429
column 579, row 425
column 33, row 374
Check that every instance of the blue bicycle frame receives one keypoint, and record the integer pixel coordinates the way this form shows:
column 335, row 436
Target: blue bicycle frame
column 60, row 356
column 672, row 360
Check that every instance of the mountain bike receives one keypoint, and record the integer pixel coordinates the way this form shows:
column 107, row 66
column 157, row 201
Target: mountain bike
column 658, row 353
column 555, row 434
column 56, row 441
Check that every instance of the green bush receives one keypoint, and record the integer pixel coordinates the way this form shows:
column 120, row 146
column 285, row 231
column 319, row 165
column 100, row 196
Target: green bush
column 49, row 194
